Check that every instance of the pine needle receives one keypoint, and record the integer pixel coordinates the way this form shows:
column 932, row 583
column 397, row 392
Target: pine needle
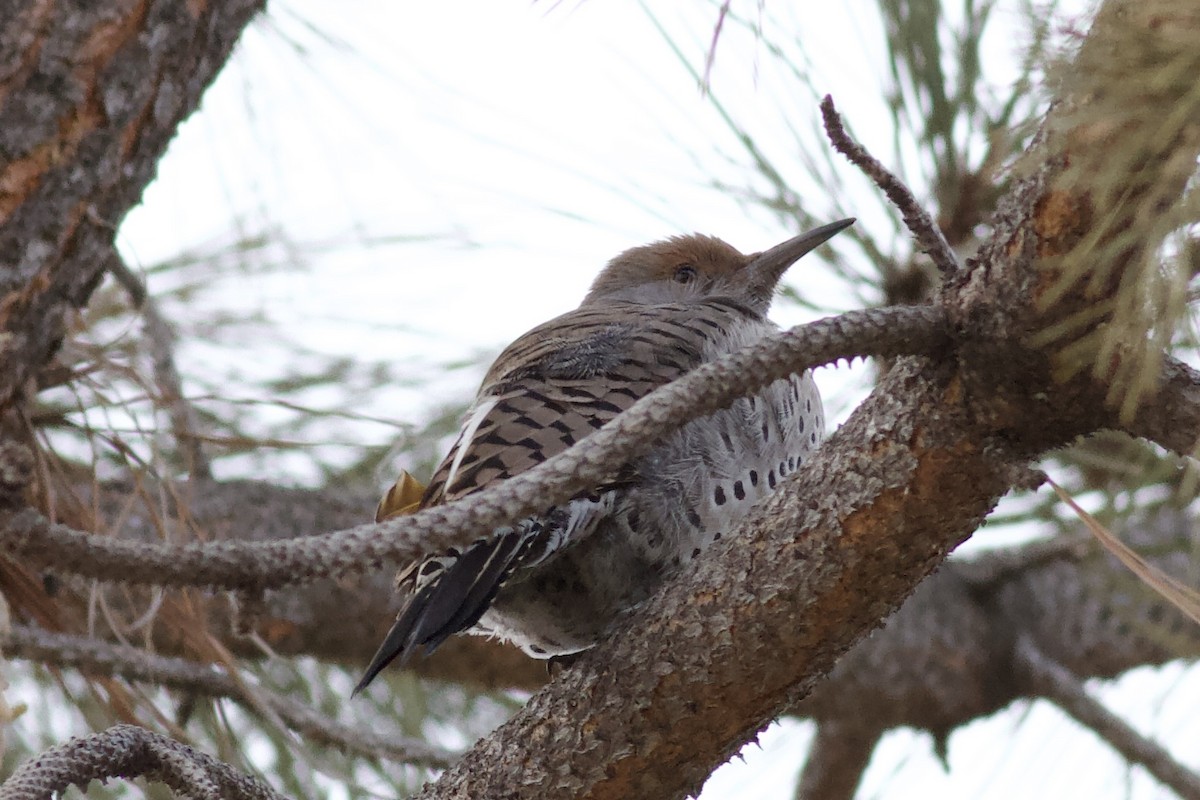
column 1178, row 594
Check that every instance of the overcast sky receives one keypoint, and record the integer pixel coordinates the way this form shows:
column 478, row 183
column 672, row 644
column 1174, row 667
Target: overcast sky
column 455, row 173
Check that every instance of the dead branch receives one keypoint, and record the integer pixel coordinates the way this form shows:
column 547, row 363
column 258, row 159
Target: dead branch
column 929, row 236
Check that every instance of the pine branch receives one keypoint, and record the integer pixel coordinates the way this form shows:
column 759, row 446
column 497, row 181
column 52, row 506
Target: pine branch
column 127, row 751
column 249, row 567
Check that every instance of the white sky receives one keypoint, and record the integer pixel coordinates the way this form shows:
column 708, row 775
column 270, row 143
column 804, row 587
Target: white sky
column 526, row 145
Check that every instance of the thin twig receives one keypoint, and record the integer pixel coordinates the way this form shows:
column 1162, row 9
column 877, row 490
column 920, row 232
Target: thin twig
column 1058, row 684
column 238, row 565
column 98, row 657
column 161, row 340
column 705, row 84
column 928, row 235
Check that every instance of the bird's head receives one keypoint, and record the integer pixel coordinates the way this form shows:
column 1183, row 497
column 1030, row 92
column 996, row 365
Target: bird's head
column 693, row 267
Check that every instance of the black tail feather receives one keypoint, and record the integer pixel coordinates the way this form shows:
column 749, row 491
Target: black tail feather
column 453, row 601
column 398, row 642
column 480, row 585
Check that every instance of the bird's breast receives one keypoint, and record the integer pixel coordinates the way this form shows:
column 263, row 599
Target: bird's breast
column 700, row 481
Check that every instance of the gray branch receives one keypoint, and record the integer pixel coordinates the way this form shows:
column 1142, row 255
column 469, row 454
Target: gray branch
column 1171, row 416
column 127, row 751
column 928, row 235
column 889, row 332
column 1048, row 678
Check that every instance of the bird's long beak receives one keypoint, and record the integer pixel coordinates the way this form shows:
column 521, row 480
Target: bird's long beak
column 765, row 269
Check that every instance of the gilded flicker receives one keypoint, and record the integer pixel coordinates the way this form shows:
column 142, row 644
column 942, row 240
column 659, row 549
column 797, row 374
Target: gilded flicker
column 553, row 583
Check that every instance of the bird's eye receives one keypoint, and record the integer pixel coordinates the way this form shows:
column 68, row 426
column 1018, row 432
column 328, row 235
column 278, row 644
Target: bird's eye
column 685, row 273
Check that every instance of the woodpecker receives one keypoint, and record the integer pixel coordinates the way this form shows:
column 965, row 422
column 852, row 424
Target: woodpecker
column 552, row 583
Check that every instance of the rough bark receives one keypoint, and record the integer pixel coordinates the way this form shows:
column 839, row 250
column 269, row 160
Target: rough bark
column 90, row 95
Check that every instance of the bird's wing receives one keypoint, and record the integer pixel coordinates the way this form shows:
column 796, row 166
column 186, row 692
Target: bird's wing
column 560, row 382
column 549, row 389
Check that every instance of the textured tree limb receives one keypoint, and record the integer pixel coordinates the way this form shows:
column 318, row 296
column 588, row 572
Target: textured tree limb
column 929, row 236
column 894, row 331
column 1047, row 678
column 127, row 751
column 337, row 621
column 102, row 658
column 836, row 761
